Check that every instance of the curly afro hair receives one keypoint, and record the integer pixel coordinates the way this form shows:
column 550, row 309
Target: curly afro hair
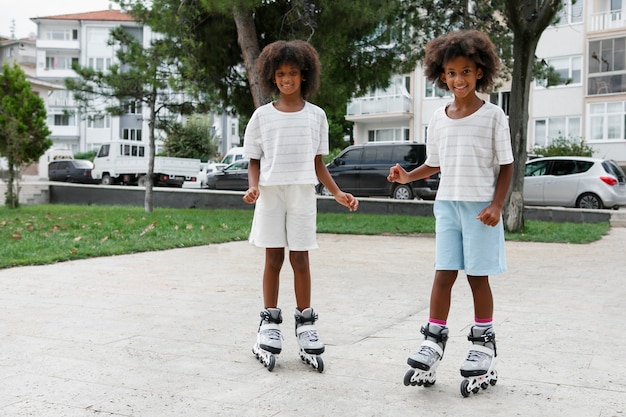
column 296, row 52
column 472, row 44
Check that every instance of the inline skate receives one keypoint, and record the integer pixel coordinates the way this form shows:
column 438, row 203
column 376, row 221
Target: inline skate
column 310, row 345
column 423, row 364
column 268, row 337
column 478, row 370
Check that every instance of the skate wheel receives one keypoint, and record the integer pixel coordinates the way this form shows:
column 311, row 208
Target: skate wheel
column 407, row 377
column 320, row 364
column 475, row 390
column 429, row 384
column 484, row 385
column 271, row 363
column 465, row 392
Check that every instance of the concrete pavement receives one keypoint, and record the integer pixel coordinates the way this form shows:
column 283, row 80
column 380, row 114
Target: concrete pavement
column 170, row 334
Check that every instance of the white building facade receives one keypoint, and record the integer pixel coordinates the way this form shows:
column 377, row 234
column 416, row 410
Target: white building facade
column 82, row 38
column 587, row 47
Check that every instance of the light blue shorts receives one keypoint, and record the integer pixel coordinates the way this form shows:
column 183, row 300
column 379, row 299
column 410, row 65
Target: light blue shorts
column 465, row 243
column 285, row 216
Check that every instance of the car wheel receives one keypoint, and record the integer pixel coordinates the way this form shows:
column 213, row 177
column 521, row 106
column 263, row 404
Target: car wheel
column 106, row 180
column 142, row 181
column 589, row 201
column 402, row 192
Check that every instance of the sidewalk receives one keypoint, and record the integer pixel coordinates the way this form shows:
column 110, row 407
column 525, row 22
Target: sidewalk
column 169, row 334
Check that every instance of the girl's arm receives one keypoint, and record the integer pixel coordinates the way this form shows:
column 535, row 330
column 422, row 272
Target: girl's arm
column 492, row 214
column 345, row 199
column 254, row 170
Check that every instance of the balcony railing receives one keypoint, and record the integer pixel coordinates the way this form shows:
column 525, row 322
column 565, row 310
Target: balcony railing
column 379, row 105
column 607, row 21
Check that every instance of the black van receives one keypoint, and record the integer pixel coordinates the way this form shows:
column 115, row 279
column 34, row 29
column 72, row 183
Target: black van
column 363, row 169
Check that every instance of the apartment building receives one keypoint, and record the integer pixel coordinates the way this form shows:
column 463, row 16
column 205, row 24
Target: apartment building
column 587, row 47
column 81, row 38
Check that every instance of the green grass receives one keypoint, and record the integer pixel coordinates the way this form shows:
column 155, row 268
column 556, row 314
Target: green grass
column 44, row 234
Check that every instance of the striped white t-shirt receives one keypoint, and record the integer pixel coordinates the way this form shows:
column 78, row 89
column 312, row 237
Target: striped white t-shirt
column 469, row 152
column 286, row 143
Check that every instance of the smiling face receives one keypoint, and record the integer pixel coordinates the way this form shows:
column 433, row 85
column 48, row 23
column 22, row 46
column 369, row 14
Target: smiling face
column 460, row 75
column 288, row 79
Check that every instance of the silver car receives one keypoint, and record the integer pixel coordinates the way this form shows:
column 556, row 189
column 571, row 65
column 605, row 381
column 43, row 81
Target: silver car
column 574, row 181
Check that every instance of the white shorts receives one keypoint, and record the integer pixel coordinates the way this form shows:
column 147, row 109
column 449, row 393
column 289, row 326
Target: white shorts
column 285, row 216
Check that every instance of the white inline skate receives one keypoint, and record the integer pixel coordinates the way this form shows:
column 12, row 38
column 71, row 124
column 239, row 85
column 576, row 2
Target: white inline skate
column 423, row 364
column 268, row 338
column 310, row 345
column 479, row 369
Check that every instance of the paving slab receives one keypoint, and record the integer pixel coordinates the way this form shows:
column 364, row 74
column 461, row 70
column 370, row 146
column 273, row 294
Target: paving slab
column 169, row 333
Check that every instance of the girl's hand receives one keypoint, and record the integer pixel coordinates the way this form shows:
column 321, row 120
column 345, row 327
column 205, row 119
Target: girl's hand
column 490, row 215
column 398, row 174
column 251, row 195
column 348, row 200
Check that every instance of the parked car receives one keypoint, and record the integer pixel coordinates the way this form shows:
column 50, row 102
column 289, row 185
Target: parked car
column 233, row 155
column 208, row 169
column 232, row 177
column 363, row 169
column 71, row 170
column 573, row 181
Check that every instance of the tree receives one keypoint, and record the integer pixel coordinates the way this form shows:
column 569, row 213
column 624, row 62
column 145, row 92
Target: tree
column 221, row 39
column 527, row 20
column 515, row 27
column 23, row 130
column 146, row 75
column 194, row 139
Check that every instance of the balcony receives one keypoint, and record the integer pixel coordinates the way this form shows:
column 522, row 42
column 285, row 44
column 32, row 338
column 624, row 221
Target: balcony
column 58, row 44
column 610, row 20
column 64, row 131
column 386, row 107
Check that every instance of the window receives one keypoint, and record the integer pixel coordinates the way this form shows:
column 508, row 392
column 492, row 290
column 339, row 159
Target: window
column 60, row 62
column 133, row 107
column 546, row 130
column 432, row 91
column 571, row 13
column 607, row 66
column 100, row 64
column 131, row 134
column 501, row 99
column 65, row 119
column 607, row 121
column 568, row 68
column 62, row 34
column 99, row 122
column 388, row 135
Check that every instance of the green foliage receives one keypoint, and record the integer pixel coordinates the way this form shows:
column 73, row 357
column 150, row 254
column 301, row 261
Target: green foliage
column 23, row 129
column 352, row 38
column 89, row 155
column 562, row 146
column 194, row 139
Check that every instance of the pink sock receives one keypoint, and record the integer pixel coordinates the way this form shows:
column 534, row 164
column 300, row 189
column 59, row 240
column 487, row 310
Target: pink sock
column 484, row 322
column 438, row 322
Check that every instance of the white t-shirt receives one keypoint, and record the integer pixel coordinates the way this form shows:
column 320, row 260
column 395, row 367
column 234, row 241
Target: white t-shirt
column 469, row 152
column 286, row 143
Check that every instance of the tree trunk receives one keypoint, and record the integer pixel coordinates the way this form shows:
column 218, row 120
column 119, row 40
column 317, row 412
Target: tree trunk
column 149, row 196
column 249, row 44
column 527, row 23
column 518, row 123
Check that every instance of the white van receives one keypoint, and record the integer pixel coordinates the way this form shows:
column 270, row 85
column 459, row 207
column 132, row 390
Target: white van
column 234, row 154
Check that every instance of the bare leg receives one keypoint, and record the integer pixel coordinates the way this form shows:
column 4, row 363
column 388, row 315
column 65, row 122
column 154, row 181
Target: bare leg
column 274, row 258
column 302, row 278
column 441, row 294
column 483, row 299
